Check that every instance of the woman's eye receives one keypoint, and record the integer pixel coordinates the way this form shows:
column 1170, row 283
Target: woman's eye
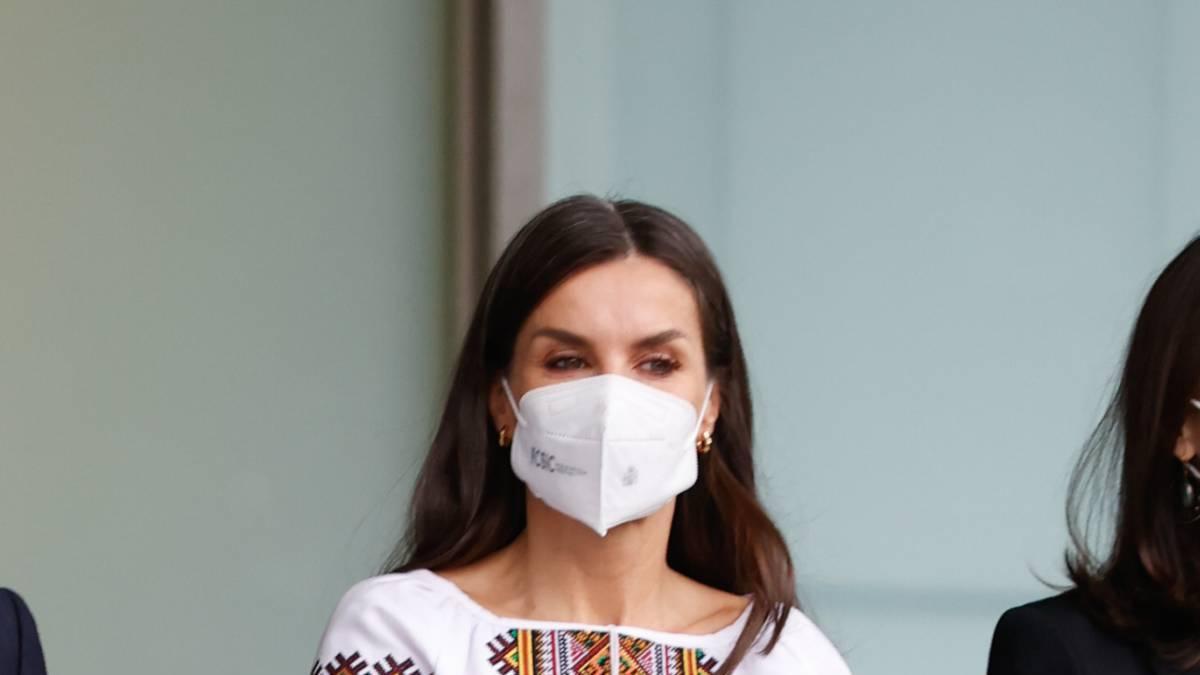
column 566, row 363
column 659, row 365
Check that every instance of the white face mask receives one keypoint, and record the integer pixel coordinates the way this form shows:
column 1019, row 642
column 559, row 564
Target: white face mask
column 606, row 449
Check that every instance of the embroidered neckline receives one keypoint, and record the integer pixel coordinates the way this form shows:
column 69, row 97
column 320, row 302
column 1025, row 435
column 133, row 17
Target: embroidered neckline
column 726, row 635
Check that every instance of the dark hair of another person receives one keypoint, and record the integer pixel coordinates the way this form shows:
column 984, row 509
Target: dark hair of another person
column 1145, row 582
column 468, row 503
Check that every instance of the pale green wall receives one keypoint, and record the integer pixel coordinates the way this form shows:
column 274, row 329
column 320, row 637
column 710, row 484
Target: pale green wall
column 1181, row 137
column 937, row 220
column 220, row 317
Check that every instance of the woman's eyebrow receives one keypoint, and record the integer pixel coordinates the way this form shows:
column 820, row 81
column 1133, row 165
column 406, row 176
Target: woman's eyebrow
column 660, row 338
column 563, row 336
column 574, row 340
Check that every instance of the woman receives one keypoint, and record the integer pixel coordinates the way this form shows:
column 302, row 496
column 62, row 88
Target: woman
column 588, row 503
column 1136, row 607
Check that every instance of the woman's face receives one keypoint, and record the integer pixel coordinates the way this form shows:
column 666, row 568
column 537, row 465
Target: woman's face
column 633, row 317
column 1188, row 443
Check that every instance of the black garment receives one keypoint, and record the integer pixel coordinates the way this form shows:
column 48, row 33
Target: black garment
column 20, row 649
column 1056, row 637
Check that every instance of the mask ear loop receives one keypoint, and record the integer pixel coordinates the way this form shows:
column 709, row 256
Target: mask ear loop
column 511, row 401
column 704, row 408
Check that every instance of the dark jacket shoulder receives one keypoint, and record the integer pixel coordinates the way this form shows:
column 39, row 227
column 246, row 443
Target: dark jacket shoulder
column 20, row 648
column 1056, row 635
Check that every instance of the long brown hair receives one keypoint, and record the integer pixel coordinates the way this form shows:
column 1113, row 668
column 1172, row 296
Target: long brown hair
column 468, row 503
column 1145, row 585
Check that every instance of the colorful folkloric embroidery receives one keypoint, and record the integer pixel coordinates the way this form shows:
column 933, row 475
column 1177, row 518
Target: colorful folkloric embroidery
column 576, row 652
column 355, row 665
column 643, row 657
column 531, row 652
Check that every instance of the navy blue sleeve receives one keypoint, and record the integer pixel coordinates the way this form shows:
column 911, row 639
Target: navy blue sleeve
column 20, row 648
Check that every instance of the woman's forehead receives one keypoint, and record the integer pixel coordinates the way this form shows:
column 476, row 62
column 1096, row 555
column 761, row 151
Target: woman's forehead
column 627, row 298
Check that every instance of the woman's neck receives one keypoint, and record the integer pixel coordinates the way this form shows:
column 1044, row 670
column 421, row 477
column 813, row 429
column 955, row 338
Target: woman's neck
column 560, row 570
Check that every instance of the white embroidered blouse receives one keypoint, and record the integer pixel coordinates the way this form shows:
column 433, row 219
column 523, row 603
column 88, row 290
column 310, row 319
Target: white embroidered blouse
column 419, row 623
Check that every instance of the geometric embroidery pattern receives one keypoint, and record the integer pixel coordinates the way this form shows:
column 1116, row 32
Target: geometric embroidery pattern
column 581, row 652
column 355, row 665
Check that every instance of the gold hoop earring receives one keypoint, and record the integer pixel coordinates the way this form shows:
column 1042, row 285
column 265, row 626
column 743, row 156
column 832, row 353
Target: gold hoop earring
column 705, row 442
column 504, row 437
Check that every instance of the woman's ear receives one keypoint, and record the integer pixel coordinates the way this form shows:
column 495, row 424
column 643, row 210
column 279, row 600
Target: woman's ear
column 1186, row 444
column 503, row 416
column 713, row 411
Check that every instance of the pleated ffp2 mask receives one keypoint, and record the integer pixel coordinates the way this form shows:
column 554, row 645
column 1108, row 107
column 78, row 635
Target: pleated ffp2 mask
column 606, row 449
